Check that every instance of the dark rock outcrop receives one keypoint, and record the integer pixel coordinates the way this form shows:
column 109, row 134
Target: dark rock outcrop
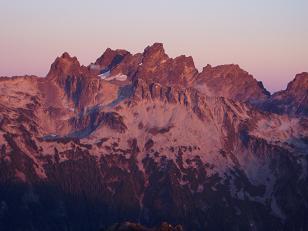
column 128, row 226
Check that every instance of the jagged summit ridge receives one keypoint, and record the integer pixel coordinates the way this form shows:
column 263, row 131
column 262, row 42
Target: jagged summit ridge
column 154, row 65
column 110, row 58
column 154, row 55
column 64, row 65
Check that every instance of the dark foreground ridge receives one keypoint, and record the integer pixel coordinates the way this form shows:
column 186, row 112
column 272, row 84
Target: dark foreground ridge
column 128, row 226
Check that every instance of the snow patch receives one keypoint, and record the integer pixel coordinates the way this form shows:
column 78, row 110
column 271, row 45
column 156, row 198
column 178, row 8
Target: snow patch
column 106, row 76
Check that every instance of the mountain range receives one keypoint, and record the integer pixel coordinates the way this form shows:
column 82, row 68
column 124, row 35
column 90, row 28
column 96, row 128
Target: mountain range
column 147, row 138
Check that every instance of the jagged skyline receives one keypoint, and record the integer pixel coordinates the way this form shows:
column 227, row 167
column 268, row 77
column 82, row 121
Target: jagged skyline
column 265, row 38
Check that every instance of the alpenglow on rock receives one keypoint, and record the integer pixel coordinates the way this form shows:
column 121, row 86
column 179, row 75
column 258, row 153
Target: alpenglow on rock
column 148, row 139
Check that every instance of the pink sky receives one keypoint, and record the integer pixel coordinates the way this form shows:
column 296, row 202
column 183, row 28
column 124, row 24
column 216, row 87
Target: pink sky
column 269, row 40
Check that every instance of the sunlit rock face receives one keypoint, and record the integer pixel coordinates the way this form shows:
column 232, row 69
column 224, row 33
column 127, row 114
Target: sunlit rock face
column 147, row 138
column 292, row 101
column 230, row 81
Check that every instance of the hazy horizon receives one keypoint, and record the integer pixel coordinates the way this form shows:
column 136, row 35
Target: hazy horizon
column 267, row 39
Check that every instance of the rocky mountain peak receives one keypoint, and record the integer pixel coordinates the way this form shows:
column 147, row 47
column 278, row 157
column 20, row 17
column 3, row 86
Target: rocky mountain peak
column 64, row 65
column 110, row 58
column 186, row 66
column 66, row 55
column 293, row 100
column 299, row 83
column 224, row 71
column 231, row 81
column 154, row 55
column 156, row 66
column 69, row 83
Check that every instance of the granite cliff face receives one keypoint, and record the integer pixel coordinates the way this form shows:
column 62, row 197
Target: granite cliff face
column 147, row 138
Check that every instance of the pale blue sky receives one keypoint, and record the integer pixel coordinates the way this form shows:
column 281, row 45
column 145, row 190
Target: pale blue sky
column 267, row 38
